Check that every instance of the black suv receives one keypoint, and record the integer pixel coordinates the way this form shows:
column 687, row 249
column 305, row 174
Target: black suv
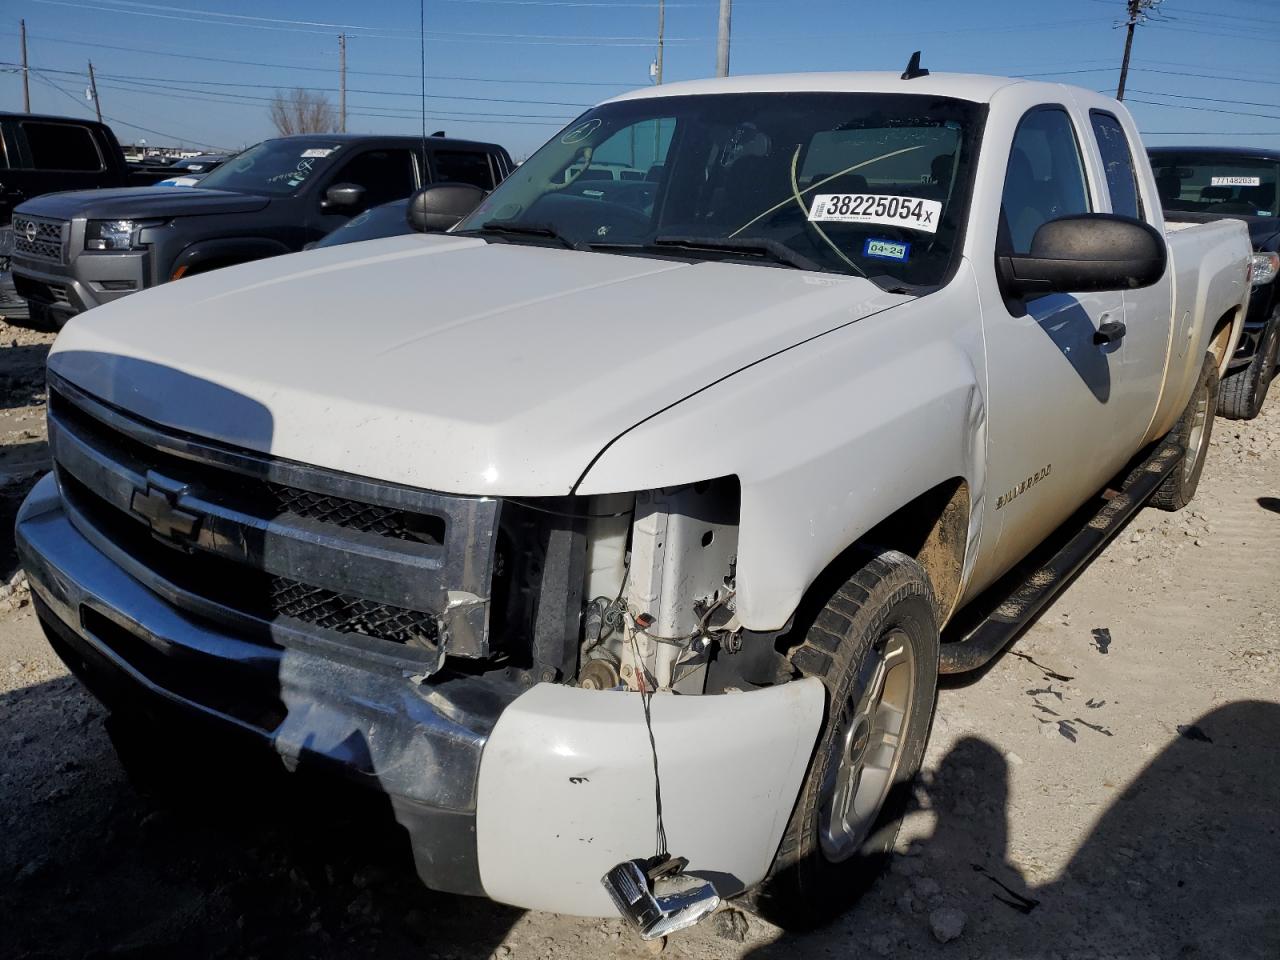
column 1237, row 183
column 73, row 251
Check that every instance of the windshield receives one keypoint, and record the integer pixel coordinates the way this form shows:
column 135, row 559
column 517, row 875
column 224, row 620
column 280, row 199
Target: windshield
column 388, row 220
column 1213, row 183
column 863, row 184
column 274, row 167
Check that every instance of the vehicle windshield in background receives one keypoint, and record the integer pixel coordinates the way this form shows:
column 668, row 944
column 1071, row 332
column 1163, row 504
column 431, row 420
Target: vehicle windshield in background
column 274, row 166
column 862, row 184
column 1212, row 183
column 388, row 220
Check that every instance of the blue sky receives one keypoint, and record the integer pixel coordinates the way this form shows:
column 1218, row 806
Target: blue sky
column 201, row 71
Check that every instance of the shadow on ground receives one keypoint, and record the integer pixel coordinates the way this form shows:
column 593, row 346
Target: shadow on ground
column 1181, row 865
column 226, row 861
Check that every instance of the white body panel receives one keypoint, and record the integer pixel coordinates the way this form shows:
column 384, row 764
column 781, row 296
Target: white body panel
column 444, row 363
column 566, row 788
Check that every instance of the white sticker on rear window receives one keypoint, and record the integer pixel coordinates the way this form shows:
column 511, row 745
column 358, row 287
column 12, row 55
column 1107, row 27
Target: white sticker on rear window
column 1235, row 182
column 911, row 212
column 317, row 152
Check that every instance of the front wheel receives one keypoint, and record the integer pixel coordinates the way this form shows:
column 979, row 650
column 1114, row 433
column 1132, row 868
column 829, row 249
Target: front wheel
column 874, row 644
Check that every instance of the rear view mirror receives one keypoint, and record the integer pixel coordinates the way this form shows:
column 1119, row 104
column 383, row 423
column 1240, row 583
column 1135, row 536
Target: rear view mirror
column 437, row 208
column 1085, row 253
column 344, row 195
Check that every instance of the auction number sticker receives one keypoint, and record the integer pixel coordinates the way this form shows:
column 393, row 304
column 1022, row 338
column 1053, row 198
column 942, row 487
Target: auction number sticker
column 315, row 153
column 911, row 212
column 1235, row 181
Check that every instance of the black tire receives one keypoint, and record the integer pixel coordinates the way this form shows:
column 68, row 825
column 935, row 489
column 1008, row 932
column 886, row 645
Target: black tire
column 821, row 868
column 39, row 317
column 1244, row 391
column 1194, row 430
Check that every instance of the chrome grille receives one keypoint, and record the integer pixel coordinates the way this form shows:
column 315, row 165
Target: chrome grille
column 277, row 548
column 38, row 238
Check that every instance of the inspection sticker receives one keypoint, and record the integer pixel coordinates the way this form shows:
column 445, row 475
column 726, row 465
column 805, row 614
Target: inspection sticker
column 911, row 212
column 1235, row 181
column 879, row 249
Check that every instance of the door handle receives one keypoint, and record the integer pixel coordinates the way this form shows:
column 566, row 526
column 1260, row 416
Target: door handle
column 1112, row 331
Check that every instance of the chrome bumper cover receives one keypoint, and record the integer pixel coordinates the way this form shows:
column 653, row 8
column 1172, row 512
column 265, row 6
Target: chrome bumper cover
column 417, row 742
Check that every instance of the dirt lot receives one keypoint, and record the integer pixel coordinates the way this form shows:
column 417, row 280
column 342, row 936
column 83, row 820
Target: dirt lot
column 1109, row 788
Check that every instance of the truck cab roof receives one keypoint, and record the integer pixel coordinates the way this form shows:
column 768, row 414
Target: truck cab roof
column 978, row 88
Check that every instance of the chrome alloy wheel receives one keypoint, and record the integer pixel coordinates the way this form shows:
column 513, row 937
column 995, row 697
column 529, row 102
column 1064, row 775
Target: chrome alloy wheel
column 1196, row 435
column 868, row 746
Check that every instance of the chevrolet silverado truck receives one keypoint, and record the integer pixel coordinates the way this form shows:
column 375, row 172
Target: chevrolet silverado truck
column 621, row 530
column 1199, row 184
column 78, row 249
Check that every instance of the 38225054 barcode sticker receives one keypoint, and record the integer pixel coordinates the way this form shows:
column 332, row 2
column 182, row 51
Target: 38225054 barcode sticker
column 911, row 212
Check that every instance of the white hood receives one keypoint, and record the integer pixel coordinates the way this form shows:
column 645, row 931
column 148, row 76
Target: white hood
column 441, row 362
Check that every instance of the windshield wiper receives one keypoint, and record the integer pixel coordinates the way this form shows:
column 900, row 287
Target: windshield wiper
column 748, row 246
column 526, row 230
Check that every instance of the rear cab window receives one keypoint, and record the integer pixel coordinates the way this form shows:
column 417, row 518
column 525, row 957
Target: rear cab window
column 61, row 146
column 1117, row 162
column 1219, row 183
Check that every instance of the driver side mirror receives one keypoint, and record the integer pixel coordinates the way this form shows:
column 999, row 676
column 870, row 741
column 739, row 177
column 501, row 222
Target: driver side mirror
column 441, row 206
column 1085, row 253
column 344, row 195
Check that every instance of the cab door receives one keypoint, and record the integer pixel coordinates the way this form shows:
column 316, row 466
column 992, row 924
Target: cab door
column 1148, row 313
column 1056, row 430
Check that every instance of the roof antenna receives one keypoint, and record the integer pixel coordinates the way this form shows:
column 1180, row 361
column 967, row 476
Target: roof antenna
column 913, row 68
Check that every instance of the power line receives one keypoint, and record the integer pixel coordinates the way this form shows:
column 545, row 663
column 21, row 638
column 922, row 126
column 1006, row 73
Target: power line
column 125, row 123
column 289, row 66
column 1187, row 106
column 1199, row 31
column 246, row 98
column 387, row 33
column 1187, row 96
column 150, row 80
column 371, row 112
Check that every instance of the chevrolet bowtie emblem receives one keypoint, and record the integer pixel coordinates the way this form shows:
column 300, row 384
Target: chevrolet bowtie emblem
column 158, row 505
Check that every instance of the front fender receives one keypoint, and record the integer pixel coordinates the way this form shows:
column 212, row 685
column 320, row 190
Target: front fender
column 827, row 438
column 224, row 250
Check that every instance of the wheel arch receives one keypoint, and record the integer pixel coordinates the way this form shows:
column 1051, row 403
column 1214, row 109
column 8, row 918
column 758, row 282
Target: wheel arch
column 205, row 255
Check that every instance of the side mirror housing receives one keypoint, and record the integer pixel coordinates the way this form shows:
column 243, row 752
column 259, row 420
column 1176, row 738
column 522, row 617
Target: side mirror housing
column 1085, row 253
column 344, row 195
column 442, row 205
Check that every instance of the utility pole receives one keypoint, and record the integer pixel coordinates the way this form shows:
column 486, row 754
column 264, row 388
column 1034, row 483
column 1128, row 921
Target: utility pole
column 26, row 72
column 722, row 40
column 662, row 19
column 93, row 85
column 1135, row 13
column 342, row 57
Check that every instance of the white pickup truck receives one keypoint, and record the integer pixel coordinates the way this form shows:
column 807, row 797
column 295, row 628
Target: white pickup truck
column 693, row 454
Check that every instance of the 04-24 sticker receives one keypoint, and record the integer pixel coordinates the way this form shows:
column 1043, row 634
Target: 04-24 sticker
column 911, row 212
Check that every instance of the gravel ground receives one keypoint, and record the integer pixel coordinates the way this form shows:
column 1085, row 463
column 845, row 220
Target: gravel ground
column 1107, row 789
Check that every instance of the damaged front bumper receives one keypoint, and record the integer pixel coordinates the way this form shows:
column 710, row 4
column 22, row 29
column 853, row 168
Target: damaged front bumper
column 527, row 795
column 418, row 743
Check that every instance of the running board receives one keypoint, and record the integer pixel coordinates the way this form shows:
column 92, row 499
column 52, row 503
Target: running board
column 1002, row 626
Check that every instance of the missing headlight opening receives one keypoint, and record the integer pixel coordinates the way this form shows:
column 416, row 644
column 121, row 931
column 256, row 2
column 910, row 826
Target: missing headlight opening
column 663, row 588
column 632, row 590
